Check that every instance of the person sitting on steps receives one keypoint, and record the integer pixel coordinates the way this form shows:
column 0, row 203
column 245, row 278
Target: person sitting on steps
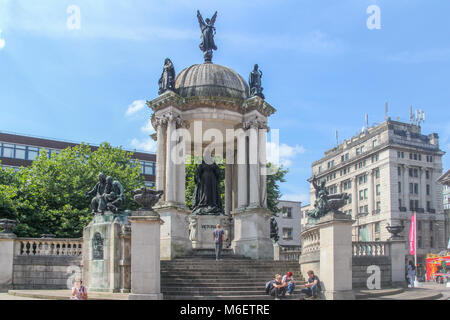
column 312, row 286
column 276, row 288
column 289, row 280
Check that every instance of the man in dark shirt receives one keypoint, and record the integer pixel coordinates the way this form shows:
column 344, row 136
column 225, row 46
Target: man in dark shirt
column 312, row 287
column 218, row 235
column 277, row 288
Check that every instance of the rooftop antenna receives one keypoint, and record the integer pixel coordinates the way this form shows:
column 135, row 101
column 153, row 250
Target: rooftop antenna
column 417, row 117
column 411, row 116
column 367, row 121
column 337, row 139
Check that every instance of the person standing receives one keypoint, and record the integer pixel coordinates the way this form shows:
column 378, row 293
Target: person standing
column 218, row 236
column 411, row 273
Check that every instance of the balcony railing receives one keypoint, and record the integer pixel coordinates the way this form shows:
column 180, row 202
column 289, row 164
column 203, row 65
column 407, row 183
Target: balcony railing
column 370, row 249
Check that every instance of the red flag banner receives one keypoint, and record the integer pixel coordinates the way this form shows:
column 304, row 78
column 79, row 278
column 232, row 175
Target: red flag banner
column 412, row 235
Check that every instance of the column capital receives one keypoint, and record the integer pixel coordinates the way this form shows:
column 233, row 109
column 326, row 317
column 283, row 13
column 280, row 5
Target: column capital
column 255, row 124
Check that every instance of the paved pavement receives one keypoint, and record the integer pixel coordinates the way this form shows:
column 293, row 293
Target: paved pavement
column 427, row 291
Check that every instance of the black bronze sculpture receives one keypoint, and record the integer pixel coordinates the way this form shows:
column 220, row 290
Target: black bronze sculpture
column 254, row 82
column 167, row 80
column 325, row 202
column 108, row 194
column 207, row 199
column 274, row 230
column 208, row 31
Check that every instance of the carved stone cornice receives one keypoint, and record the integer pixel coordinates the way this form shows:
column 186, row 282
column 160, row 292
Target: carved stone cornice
column 259, row 104
column 172, row 99
column 254, row 124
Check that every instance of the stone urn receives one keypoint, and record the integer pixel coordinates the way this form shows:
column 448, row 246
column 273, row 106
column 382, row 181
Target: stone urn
column 146, row 198
column 8, row 225
column 395, row 231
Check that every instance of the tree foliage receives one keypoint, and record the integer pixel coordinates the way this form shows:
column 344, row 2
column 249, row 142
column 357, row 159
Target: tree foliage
column 49, row 196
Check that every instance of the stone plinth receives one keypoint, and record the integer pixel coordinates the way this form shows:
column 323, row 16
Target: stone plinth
column 6, row 261
column 336, row 256
column 174, row 232
column 106, row 253
column 252, row 233
column 145, row 257
column 397, row 255
column 202, row 236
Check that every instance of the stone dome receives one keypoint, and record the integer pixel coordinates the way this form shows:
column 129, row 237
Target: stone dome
column 210, row 80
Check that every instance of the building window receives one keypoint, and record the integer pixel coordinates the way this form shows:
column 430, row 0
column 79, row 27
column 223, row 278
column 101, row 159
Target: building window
column 148, row 168
column 361, row 194
column 400, row 154
column 378, row 189
column 431, row 225
column 7, row 150
column 419, row 225
column 428, row 189
column 419, row 242
column 287, row 233
column 287, row 212
column 399, row 170
column 377, row 173
column 411, row 188
column 32, row 153
column 377, row 227
column 378, row 207
column 399, row 187
column 416, row 188
column 149, row 184
column 427, row 174
column 431, row 242
column 374, row 143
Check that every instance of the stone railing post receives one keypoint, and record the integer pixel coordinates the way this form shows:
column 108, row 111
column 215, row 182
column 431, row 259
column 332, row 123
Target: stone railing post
column 145, row 256
column 6, row 260
column 397, row 256
column 336, row 256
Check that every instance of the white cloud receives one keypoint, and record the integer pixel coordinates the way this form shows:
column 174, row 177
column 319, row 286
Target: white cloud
column 2, row 43
column 285, row 153
column 304, row 198
column 148, row 128
column 148, row 144
column 135, row 106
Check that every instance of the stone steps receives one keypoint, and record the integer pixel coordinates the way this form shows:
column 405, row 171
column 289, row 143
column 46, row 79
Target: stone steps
column 234, row 278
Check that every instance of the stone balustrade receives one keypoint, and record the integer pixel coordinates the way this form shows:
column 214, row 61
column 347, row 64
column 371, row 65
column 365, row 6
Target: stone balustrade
column 290, row 253
column 370, row 249
column 48, row 247
column 311, row 240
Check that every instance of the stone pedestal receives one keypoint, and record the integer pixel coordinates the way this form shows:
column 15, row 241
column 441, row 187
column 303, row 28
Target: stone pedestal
column 174, row 232
column 106, row 253
column 397, row 253
column 276, row 252
column 6, row 261
column 202, row 235
column 336, row 256
column 145, row 257
column 252, row 233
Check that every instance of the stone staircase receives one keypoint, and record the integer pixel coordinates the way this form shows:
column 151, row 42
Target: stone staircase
column 201, row 277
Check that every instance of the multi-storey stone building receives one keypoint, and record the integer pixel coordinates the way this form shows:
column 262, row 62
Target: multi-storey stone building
column 445, row 180
column 389, row 171
column 289, row 222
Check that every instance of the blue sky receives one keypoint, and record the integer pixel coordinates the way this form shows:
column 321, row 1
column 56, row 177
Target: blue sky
column 323, row 68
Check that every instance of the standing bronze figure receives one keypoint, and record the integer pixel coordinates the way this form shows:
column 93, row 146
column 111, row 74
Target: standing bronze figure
column 207, row 191
column 254, row 82
column 208, row 32
column 167, row 80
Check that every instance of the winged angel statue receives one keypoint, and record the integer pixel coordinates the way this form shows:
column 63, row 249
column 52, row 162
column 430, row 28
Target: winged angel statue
column 208, row 32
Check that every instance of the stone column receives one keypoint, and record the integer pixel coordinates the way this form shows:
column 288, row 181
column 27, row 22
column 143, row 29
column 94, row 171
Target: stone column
column 254, row 174
column 397, row 253
column 355, row 197
column 145, row 258
column 336, row 256
column 160, row 125
column 371, row 193
column 6, row 261
column 181, row 167
column 262, row 140
column 242, row 179
column 228, row 191
column 170, row 189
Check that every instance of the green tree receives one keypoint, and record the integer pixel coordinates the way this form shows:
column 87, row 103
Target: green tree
column 50, row 194
column 273, row 181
